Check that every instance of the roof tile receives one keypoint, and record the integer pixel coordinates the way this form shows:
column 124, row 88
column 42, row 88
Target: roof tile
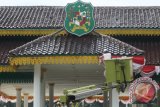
column 72, row 45
column 149, row 44
column 8, row 43
column 53, row 17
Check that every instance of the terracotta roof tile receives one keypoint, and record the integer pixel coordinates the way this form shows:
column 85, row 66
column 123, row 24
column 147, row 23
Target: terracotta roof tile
column 73, row 45
column 53, row 17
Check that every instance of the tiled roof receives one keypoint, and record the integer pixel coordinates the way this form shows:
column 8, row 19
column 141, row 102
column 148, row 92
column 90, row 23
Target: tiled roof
column 150, row 44
column 8, row 43
column 72, row 45
column 53, row 17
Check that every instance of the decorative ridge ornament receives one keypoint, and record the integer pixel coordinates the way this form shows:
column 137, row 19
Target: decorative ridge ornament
column 79, row 18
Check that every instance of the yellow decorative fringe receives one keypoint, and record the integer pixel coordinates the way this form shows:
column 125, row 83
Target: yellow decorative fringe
column 129, row 32
column 113, row 31
column 7, row 68
column 27, row 32
column 54, row 60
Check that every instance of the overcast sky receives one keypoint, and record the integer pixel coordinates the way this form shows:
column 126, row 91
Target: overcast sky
column 94, row 2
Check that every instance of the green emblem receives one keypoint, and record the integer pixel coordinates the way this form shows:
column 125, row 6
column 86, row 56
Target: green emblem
column 79, row 18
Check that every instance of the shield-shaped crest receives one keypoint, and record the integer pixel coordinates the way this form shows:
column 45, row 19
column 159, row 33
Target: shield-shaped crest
column 79, row 18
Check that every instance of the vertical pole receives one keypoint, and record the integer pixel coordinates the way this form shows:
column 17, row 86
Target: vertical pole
column 158, row 98
column 134, row 105
column 43, row 88
column 51, row 95
column 18, row 102
column 25, row 99
column 105, row 101
column 37, row 85
column 126, row 105
column 113, row 97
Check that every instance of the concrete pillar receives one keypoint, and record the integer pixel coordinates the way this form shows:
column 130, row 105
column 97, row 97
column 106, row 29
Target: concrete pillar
column 43, row 78
column 25, row 99
column 105, row 101
column 37, row 85
column 113, row 97
column 18, row 102
column 51, row 94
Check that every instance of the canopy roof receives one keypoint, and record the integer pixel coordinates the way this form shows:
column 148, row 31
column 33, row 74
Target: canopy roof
column 70, row 49
column 60, row 46
column 52, row 17
column 90, row 44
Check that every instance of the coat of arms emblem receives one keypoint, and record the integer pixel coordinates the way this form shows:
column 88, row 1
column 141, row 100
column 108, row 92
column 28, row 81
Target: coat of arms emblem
column 79, row 18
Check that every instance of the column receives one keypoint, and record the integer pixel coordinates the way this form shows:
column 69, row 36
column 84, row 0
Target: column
column 25, row 99
column 105, row 100
column 51, row 95
column 43, row 88
column 158, row 98
column 37, row 85
column 18, row 102
column 113, row 97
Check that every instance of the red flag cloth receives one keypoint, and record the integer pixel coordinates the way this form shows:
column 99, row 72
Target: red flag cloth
column 148, row 68
column 139, row 59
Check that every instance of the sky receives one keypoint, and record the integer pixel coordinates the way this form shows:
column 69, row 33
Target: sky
column 94, row 2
